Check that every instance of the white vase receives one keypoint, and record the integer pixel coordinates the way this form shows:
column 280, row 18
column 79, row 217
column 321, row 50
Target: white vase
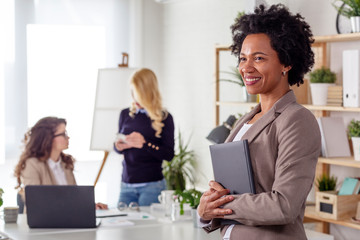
column 355, row 24
column 356, row 147
column 319, row 92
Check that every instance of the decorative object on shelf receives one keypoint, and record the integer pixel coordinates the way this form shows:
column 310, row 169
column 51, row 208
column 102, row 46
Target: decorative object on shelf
column 1, row 193
column 191, row 197
column 326, row 183
column 354, row 134
column 180, row 168
column 220, row 133
column 335, row 96
column 343, row 24
column 334, row 142
column 357, row 216
column 320, row 80
column 351, row 77
column 332, row 206
column 349, row 186
column 237, row 79
column 351, row 10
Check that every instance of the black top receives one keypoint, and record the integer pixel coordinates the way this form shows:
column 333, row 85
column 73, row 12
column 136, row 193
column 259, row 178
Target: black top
column 144, row 165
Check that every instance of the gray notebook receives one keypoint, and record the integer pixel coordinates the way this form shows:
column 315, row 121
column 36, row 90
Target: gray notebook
column 232, row 166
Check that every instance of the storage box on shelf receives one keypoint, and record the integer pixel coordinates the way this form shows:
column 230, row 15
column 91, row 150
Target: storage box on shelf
column 330, row 205
column 320, row 47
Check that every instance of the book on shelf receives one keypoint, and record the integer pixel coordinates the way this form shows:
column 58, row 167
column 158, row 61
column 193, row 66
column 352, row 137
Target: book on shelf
column 334, row 141
column 350, row 186
column 332, row 96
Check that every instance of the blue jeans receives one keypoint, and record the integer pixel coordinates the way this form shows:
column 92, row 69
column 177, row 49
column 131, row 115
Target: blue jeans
column 144, row 195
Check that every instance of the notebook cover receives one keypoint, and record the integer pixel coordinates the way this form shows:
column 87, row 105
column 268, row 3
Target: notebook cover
column 232, row 166
column 334, row 142
column 348, row 186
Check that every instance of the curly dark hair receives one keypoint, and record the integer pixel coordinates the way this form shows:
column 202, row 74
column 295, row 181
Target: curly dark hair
column 38, row 144
column 290, row 37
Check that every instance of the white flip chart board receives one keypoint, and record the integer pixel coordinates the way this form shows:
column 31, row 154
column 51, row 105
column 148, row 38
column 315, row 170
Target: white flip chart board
column 112, row 95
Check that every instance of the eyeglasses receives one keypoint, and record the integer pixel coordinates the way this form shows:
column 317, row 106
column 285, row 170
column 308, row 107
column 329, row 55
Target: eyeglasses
column 64, row 134
column 133, row 206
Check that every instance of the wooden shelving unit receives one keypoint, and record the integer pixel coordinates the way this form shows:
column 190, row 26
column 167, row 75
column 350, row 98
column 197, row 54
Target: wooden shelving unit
column 311, row 215
column 320, row 47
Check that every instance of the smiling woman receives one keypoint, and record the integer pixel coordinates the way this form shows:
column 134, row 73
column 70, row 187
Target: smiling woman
column 273, row 48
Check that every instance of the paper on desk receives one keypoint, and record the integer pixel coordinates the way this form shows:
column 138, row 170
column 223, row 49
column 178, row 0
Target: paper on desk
column 115, row 222
column 108, row 212
column 130, row 215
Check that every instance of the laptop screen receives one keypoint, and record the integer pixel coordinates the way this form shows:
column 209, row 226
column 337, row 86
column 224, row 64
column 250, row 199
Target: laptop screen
column 49, row 206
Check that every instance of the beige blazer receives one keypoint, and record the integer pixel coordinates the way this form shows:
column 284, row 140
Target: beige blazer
column 38, row 173
column 284, row 147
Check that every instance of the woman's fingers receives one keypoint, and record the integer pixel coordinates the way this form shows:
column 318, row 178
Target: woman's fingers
column 211, row 202
column 217, row 186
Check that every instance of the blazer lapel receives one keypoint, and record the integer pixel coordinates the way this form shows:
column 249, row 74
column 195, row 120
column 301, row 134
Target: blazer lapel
column 265, row 120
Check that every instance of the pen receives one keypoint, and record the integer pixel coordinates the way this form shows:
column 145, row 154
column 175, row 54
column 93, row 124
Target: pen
column 114, row 215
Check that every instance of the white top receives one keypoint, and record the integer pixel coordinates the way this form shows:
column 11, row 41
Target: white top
column 242, row 131
column 58, row 171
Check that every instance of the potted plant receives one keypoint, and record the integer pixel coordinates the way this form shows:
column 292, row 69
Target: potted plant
column 354, row 134
column 191, row 197
column 351, row 10
column 326, row 183
column 180, row 168
column 320, row 80
column 236, row 78
column 1, row 200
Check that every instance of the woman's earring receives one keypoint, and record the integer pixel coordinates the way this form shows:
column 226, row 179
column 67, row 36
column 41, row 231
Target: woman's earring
column 284, row 73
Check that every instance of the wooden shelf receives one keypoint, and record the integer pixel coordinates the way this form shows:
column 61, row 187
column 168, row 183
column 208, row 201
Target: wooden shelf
column 318, row 39
column 310, row 214
column 344, row 161
column 310, row 107
column 337, row 38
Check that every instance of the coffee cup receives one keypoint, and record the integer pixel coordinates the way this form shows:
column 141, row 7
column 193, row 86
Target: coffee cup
column 9, row 214
column 166, row 198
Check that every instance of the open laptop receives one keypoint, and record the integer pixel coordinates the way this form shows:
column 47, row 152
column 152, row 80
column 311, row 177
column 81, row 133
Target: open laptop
column 50, row 206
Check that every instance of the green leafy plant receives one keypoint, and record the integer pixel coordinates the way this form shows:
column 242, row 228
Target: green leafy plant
column 322, row 75
column 354, row 128
column 326, row 183
column 1, row 193
column 180, row 168
column 191, row 196
column 236, row 77
column 350, row 9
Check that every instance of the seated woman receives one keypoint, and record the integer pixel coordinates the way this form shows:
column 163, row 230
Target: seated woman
column 43, row 162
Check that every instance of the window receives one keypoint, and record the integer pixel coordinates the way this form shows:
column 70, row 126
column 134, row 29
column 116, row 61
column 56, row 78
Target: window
column 62, row 73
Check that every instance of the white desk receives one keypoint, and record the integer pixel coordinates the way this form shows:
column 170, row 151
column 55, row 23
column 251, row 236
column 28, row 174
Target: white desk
column 143, row 229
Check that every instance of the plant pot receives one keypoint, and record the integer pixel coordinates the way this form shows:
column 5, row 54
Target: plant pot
column 356, row 147
column 355, row 24
column 246, row 97
column 319, row 92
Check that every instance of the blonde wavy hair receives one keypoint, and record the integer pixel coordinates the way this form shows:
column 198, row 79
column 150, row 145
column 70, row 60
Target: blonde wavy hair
column 146, row 92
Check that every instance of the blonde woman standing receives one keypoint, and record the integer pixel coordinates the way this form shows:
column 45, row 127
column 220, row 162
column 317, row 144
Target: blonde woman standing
column 149, row 139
